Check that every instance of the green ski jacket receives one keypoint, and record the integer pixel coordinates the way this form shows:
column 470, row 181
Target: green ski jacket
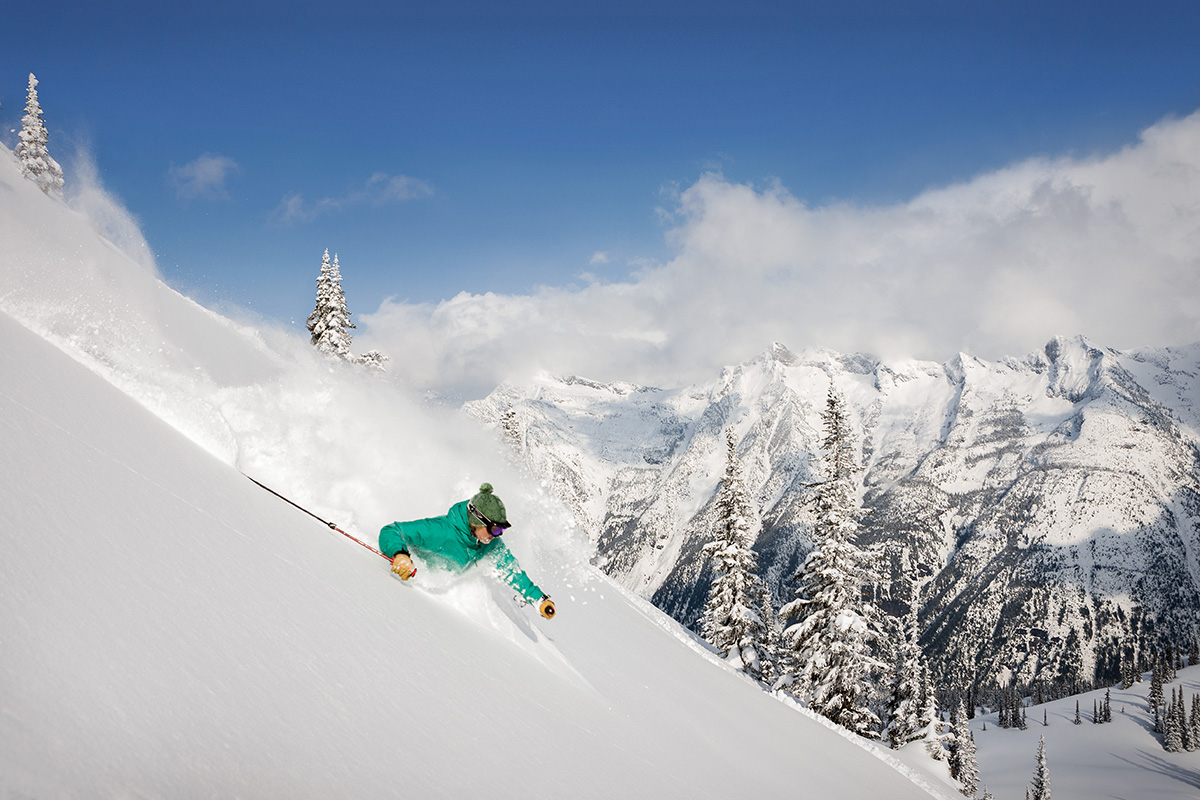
column 448, row 542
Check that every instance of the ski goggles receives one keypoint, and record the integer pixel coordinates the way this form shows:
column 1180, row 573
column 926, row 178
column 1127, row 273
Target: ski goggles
column 493, row 528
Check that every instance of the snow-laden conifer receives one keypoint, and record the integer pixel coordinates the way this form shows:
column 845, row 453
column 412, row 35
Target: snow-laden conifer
column 963, row 763
column 1041, row 774
column 774, row 637
column 907, row 704
column 829, row 642
column 329, row 322
column 1194, row 722
column 1173, row 734
column 732, row 620
column 32, row 151
column 1185, row 729
column 374, row 360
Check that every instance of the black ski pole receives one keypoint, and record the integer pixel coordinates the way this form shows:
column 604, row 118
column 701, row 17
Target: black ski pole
column 328, row 524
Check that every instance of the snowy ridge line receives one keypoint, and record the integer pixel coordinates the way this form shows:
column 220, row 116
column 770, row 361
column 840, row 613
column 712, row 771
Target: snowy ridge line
column 918, row 778
column 660, row 618
column 109, row 457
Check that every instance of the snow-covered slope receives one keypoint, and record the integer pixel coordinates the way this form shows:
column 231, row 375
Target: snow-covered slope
column 1122, row 759
column 171, row 630
column 1047, row 507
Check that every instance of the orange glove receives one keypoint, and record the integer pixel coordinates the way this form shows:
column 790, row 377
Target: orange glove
column 547, row 608
column 402, row 565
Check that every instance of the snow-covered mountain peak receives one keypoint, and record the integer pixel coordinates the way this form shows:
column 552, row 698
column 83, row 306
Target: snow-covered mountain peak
column 780, row 353
column 1077, row 369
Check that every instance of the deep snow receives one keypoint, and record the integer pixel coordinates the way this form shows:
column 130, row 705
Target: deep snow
column 171, row 630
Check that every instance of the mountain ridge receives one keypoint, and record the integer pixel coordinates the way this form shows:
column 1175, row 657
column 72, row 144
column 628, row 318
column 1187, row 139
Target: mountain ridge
column 1051, row 492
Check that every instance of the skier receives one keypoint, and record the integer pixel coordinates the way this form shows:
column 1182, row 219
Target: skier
column 469, row 532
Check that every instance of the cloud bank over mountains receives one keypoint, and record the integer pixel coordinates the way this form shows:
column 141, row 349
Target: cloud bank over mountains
column 1106, row 245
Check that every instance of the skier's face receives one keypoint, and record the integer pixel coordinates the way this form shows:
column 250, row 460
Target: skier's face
column 482, row 534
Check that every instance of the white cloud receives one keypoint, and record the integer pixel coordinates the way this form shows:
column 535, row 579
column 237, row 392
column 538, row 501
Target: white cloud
column 204, row 178
column 1107, row 246
column 379, row 189
column 599, row 257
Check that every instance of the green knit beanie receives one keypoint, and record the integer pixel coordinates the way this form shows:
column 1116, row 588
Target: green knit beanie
column 486, row 504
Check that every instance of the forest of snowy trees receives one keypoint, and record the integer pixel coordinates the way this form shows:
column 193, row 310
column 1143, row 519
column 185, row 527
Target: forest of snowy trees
column 844, row 658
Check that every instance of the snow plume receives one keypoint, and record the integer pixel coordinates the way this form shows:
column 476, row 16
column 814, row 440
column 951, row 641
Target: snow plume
column 350, row 446
column 104, row 212
column 1106, row 246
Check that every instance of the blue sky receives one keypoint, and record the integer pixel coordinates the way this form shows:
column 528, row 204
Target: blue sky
column 447, row 147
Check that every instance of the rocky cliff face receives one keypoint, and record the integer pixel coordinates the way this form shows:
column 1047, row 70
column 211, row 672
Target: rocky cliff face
column 1043, row 512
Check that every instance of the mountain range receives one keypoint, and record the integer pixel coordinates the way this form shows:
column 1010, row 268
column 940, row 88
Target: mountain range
column 1042, row 512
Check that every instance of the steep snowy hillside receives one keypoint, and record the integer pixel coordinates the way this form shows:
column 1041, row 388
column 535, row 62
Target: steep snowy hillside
column 171, row 630
column 1046, row 508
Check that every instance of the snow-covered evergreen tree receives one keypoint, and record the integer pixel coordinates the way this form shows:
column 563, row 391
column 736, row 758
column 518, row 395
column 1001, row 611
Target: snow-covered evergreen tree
column 1128, row 670
column 963, row 764
column 1185, row 729
column 373, row 359
column 1041, row 774
column 329, row 322
column 829, row 642
column 1173, row 734
column 732, row 620
column 773, row 643
column 1155, row 696
column 907, row 703
column 1194, row 722
column 32, row 151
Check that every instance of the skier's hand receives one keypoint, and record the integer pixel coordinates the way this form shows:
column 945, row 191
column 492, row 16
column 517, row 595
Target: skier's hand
column 547, row 608
column 402, row 565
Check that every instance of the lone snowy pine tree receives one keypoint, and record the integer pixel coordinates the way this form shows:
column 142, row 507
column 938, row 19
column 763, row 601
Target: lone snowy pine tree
column 732, row 619
column 31, row 152
column 1041, row 774
column 829, row 644
column 329, row 323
